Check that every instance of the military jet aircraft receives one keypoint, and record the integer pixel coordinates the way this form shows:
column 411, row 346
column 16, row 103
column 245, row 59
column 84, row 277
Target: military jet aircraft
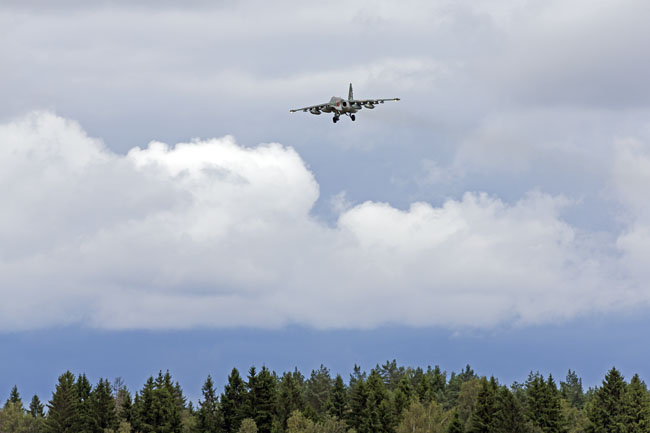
column 340, row 106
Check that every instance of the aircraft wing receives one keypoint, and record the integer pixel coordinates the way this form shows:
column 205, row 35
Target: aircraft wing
column 374, row 101
column 305, row 109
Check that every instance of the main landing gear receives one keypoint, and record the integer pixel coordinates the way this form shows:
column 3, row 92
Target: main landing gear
column 337, row 118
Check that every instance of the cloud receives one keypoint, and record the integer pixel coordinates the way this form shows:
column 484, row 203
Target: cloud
column 212, row 233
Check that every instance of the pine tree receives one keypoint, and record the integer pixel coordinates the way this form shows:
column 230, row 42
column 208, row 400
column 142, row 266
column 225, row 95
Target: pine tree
column 637, row 404
column 232, row 402
column 36, row 408
column 391, row 374
column 571, row 390
column 607, row 412
column 208, row 413
column 62, row 408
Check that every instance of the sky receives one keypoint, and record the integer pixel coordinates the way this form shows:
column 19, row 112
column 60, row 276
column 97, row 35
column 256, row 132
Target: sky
column 160, row 204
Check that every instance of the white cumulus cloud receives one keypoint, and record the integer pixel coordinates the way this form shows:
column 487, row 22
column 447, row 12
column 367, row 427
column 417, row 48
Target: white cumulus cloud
column 212, row 233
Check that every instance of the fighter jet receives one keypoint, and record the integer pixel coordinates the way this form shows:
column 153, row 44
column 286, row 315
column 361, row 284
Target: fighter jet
column 340, row 106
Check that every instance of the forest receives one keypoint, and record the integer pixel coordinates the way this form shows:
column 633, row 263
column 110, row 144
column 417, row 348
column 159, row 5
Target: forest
column 388, row 399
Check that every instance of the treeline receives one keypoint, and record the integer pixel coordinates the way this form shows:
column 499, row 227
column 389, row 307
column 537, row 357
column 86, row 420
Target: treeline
column 388, row 399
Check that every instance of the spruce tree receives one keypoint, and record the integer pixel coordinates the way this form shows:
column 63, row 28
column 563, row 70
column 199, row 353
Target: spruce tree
column 637, row 408
column 318, row 388
column 508, row 413
column 232, row 402
column 481, row 419
column 248, row 408
column 339, row 400
column 102, row 408
column 455, row 426
column 84, row 420
column 437, row 382
column 263, row 394
column 607, row 412
column 62, row 408
column 290, row 395
column 403, row 396
column 14, row 398
column 36, row 408
column 360, row 414
column 208, row 413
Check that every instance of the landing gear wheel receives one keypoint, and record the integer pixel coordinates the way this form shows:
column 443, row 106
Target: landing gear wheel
column 335, row 119
column 353, row 117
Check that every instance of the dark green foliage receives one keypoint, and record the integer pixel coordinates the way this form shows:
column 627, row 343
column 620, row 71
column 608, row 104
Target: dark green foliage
column 62, row 408
column 637, row 406
column 158, row 406
column 455, row 426
column 481, row 419
column 290, row 396
column 370, row 404
column 208, row 419
column 356, row 375
column 403, row 396
column 452, row 390
column 359, row 417
column 14, row 398
column 102, row 408
column 382, row 419
column 262, row 399
column 36, row 408
column 508, row 413
column 438, row 381
column 607, row 412
column 84, row 418
column 543, row 403
column 391, row 374
column 124, row 405
column 233, row 400
column 319, row 387
column 571, row 390
column 338, row 400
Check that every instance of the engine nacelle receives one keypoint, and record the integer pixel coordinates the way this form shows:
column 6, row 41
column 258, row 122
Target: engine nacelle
column 356, row 106
column 314, row 111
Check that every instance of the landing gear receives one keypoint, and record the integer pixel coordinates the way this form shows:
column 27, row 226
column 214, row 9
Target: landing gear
column 335, row 119
column 353, row 117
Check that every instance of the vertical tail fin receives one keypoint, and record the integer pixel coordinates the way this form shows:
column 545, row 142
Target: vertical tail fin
column 350, row 96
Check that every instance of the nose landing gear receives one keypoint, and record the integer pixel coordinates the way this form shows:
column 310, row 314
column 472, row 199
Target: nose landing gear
column 335, row 119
